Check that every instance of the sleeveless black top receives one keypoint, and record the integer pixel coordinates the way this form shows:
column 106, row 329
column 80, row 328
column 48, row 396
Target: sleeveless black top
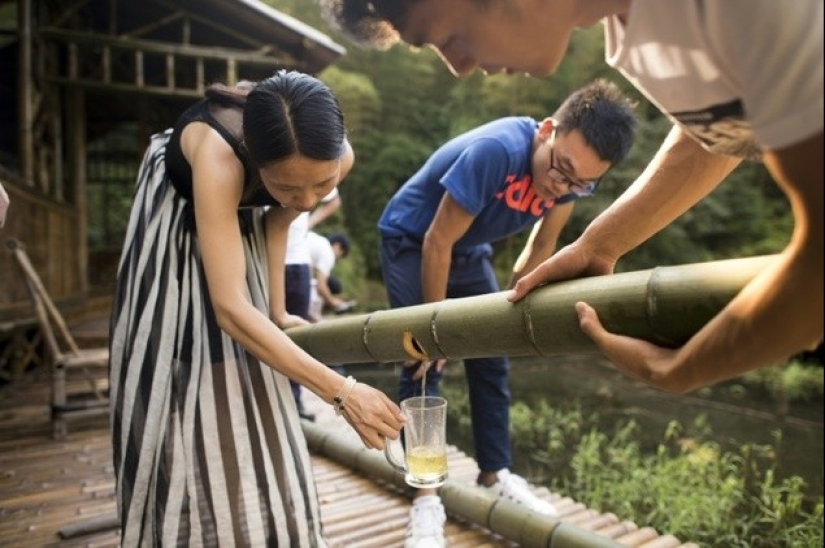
column 228, row 122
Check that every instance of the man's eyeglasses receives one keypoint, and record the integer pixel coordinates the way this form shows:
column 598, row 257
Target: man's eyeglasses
column 576, row 186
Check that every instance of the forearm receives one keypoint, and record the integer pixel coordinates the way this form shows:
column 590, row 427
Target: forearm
column 780, row 313
column 322, row 287
column 277, row 227
column 263, row 339
column 777, row 315
column 435, row 270
column 680, row 174
column 323, row 212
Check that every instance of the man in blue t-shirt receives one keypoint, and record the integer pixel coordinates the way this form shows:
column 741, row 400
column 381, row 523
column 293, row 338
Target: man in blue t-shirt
column 480, row 187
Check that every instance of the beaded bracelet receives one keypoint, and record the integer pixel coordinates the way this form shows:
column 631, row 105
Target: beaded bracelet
column 339, row 400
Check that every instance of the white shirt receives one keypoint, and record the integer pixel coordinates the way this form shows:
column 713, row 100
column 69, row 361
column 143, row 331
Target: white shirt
column 297, row 249
column 739, row 75
column 322, row 256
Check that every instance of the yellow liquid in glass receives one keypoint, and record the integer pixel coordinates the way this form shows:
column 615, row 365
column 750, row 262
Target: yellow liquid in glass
column 427, row 463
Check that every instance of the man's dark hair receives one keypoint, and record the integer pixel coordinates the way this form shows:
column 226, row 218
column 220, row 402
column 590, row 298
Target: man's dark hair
column 605, row 117
column 370, row 23
column 341, row 240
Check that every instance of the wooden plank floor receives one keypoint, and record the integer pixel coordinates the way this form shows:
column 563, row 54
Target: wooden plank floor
column 47, row 484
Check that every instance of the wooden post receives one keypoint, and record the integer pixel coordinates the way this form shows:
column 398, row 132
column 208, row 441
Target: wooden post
column 199, row 75
column 25, row 90
column 231, row 72
column 170, row 71
column 106, row 61
column 57, row 124
column 76, row 130
column 139, row 68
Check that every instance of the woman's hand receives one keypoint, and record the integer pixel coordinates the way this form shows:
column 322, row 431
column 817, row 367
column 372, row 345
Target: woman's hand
column 372, row 415
column 286, row 321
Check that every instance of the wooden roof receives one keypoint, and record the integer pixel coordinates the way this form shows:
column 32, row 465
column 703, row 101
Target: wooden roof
column 47, row 485
column 237, row 24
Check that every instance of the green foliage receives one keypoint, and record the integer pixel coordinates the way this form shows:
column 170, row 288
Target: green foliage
column 393, row 158
column 793, row 382
column 685, row 485
column 400, row 105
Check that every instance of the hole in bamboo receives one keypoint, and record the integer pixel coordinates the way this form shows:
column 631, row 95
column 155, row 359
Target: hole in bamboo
column 412, row 347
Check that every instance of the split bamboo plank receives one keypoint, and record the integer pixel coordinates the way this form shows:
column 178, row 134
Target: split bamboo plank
column 48, row 485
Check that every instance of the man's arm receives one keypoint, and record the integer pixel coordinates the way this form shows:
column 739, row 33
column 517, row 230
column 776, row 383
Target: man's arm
column 450, row 223
column 542, row 241
column 326, row 208
column 680, row 174
column 322, row 287
column 323, row 211
column 778, row 314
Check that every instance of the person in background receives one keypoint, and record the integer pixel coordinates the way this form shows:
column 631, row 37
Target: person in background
column 4, row 205
column 739, row 79
column 208, row 448
column 485, row 185
column 325, row 252
column 298, row 275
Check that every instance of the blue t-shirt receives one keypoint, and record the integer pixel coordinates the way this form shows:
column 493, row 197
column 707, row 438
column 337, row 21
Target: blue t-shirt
column 487, row 171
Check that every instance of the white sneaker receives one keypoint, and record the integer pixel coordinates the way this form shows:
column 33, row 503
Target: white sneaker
column 426, row 526
column 514, row 488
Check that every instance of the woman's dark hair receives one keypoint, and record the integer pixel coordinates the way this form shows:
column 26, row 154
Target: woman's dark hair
column 604, row 116
column 288, row 113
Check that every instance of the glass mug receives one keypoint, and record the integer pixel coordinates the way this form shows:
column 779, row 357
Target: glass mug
column 425, row 442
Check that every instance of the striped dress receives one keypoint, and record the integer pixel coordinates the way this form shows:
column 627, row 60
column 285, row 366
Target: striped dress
column 208, row 446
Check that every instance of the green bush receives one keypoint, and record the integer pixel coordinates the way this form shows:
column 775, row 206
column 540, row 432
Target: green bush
column 687, row 486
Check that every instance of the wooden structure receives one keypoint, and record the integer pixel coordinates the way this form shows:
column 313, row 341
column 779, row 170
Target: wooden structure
column 64, row 355
column 87, row 83
column 48, row 486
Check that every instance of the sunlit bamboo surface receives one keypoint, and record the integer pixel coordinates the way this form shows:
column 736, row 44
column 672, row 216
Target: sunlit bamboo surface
column 665, row 305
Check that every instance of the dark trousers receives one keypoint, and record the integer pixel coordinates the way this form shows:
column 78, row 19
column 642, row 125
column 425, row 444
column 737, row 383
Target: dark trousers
column 471, row 274
column 297, row 289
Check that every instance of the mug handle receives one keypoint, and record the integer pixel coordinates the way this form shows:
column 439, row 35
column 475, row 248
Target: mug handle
column 399, row 466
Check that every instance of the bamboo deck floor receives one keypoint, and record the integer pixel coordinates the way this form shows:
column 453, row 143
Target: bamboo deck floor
column 47, row 484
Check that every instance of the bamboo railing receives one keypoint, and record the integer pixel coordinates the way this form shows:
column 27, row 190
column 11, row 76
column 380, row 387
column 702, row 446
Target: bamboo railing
column 664, row 305
column 506, row 518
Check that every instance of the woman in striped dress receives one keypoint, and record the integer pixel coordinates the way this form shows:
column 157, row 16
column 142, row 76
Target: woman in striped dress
column 208, row 446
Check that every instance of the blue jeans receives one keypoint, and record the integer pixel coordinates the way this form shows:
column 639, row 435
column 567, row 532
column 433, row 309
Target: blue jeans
column 297, row 287
column 471, row 274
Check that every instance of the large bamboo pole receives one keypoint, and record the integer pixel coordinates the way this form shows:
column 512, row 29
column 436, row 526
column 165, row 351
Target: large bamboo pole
column 664, row 305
